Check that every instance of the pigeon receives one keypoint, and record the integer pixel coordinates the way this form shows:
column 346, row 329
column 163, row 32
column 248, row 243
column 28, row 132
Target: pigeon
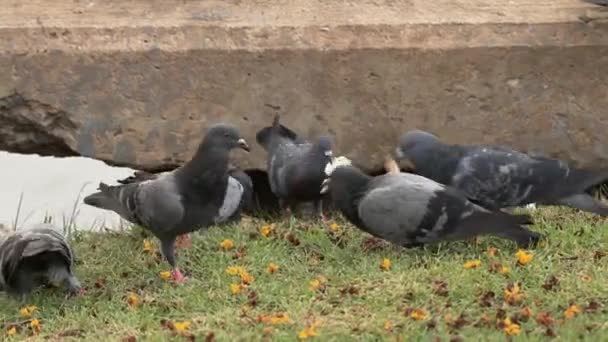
column 245, row 206
column 295, row 166
column 411, row 211
column 196, row 195
column 498, row 177
column 36, row 256
column 598, row 2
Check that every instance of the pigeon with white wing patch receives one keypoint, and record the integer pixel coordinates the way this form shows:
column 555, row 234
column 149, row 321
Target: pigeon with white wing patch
column 410, row 210
column 295, row 166
column 196, row 195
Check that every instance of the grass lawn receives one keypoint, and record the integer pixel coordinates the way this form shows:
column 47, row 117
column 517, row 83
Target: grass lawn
column 332, row 285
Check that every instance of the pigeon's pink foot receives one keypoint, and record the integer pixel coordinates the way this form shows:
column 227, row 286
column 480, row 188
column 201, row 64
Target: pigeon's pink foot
column 178, row 277
column 81, row 292
column 183, row 241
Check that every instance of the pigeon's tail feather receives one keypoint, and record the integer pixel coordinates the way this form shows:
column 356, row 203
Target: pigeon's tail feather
column 586, row 203
column 497, row 223
column 579, row 181
column 108, row 197
column 138, row 176
column 598, row 2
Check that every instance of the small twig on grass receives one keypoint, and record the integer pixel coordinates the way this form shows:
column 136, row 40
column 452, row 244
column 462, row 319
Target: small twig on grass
column 18, row 211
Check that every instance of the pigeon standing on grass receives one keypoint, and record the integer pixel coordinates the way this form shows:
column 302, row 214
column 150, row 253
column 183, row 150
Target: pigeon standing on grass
column 245, row 206
column 36, row 256
column 295, row 166
column 196, row 195
column 498, row 177
column 410, row 210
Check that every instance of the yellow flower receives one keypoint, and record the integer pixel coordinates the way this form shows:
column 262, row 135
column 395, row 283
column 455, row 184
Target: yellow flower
column 133, row 299
column 472, row 264
column 418, row 314
column 148, row 246
column 35, row 325
column 511, row 328
column 27, row 311
column 523, row 258
column 12, row 331
column 504, row 270
column 571, row 311
column 317, row 283
column 236, row 288
column 165, row 275
column 235, row 270
column 308, row 332
column 181, row 327
column 385, row 264
column 247, row 278
column 513, row 294
column 266, row 230
column 388, row 325
column 272, row 268
column 280, row 318
column 334, row 227
column 492, row 251
column 227, row 244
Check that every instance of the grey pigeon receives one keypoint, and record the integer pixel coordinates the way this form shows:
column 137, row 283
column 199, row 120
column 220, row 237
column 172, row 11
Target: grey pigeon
column 295, row 166
column 497, row 177
column 196, row 195
column 245, row 206
column 410, row 210
column 36, row 256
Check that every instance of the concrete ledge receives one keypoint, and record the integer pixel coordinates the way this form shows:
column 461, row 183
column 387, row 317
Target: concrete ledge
column 136, row 83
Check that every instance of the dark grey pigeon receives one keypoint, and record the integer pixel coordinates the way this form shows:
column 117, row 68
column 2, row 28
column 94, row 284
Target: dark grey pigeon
column 295, row 166
column 245, row 205
column 410, row 210
column 36, row 256
column 498, row 177
column 196, row 195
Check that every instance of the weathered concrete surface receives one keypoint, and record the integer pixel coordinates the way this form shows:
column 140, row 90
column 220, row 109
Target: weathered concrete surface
column 135, row 83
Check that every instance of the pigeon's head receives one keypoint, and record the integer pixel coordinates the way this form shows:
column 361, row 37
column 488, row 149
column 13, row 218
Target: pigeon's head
column 276, row 129
column 324, row 146
column 225, row 136
column 332, row 167
column 413, row 143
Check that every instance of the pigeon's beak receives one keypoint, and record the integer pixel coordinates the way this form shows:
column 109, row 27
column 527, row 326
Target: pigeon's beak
column 325, row 186
column 243, row 144
column 403, row 161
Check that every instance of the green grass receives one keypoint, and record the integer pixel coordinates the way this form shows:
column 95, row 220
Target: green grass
column 358, row 297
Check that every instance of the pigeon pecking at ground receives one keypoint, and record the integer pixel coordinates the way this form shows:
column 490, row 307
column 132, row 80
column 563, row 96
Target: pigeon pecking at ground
column 36, row 256
column 295, row 166
column 196, row 195
column 410, row 210
column 498, row 177
column 245, row 205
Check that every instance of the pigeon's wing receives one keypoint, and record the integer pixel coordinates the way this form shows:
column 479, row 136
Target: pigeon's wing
column 395, row 206
column 11, row 249
column 232, row 200
column 247, row 183
column 46, row 240
column 498, row 178
column 154, row 204
column 138, row 176
column 281, row 161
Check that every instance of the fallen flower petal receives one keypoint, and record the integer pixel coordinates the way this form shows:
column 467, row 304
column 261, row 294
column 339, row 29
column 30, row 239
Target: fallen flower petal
column 523, row 257
column 236, row 288
column 272, row 268
column 418, row 314
column 385, row 264
column 472, row 264
column 247, row 278
column 266, row 230
column 513, row 294
column 148, row 246
column 492, row 251
column 571, row 311
column 308, row 332
column 280, row 318
column 388, row 325
column 511, row 328
column 133, row 300
column 165, row 275
column 334, row 227
column 12, row 331
column 27, row 311
column 226, row 244
column 235, row 270
column 181, row 327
